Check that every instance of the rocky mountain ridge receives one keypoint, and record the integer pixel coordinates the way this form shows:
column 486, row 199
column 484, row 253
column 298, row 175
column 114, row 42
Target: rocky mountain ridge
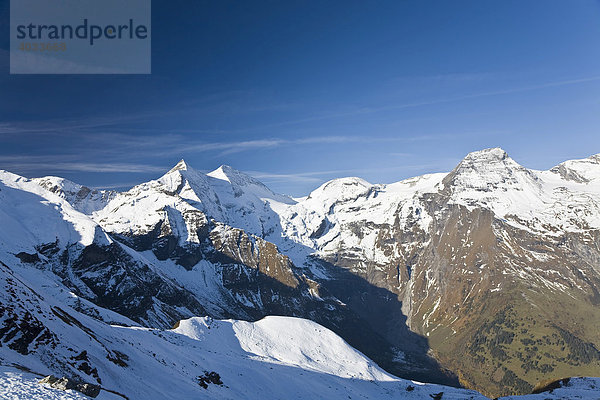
column 492, row 260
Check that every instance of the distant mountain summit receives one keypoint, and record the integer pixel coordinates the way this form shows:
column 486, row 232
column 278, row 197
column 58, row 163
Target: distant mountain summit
column 487, row 276
column 581, row 171
column 80, row 197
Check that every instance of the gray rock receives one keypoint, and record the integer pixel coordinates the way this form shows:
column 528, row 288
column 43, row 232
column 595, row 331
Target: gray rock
column 49, row 380
column 64, row 383
column 89, row 389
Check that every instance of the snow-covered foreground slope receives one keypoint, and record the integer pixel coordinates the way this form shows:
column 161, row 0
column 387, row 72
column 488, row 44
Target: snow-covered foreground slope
column 287, row 341
column 566, row 389
column 275, row 358
column 19, row 385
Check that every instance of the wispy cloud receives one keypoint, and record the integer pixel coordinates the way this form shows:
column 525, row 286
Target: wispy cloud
column 114, row 148
column 366, row 109
column 232, row 147
column 267, row 177
column 117, row 186
column 448, row 78
column 114, row 124
column 58, row 164
column 107, row 144
column 322, row 176
column 231, row 103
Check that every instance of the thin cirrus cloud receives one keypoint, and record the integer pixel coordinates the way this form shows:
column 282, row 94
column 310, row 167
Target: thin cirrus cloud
column 183, row 146
column 560, row 83
column 320, row 176
column 168, row 145
column 226, row 148
column 114, row 148
column 24, row 164
column 72, row 126
column 117, row 146
column 365, row 110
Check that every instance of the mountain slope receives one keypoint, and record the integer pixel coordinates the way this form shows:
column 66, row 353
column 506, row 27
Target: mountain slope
column 454, row 250
column 185, row 265
column 492, row 260
column 82, row 198
column 276, row 357
column 224, row 228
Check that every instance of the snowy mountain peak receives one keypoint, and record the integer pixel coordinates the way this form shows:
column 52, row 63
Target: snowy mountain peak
column 490, row 164
column 581, row 171
column 82, row 198
column 233, row 176
column 486, row 176
column 351, row 184
column 241, row 183
column 487, row 166
column 6, row 176
column 32, row 215
column 595, row 158
column 180, row 166
column 55, row 184
column 494, row 154
column 183, row 177
column 341, row 189
column 224, row 168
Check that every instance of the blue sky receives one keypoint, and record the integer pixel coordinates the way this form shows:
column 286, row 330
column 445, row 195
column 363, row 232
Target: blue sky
column 300, row 92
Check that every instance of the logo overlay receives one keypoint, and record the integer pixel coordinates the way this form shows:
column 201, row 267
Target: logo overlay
column 80, row 37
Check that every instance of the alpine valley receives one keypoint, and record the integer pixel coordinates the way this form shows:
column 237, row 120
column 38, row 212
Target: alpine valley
column 483, row 282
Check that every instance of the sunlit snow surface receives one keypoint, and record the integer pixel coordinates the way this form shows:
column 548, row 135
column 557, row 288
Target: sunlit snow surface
column 565, row 198
column 276, row 357
column 31, row 215
column 577, row 388
column 19, row 385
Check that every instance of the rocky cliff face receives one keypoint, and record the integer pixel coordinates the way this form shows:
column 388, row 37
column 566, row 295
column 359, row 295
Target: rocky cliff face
column 167, row 259
column 496, row 265
column 491, row 269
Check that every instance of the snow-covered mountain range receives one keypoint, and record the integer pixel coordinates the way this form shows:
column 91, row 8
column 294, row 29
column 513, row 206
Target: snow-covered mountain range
column 487, row 276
